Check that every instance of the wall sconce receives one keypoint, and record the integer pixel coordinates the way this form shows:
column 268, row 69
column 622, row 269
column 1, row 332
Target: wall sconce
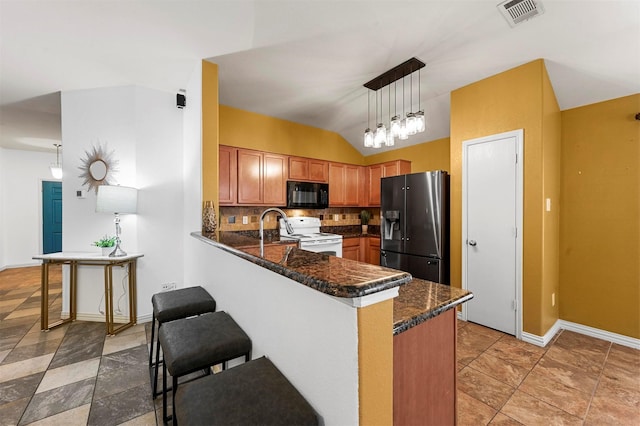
column 117, row 200
column 56, row 169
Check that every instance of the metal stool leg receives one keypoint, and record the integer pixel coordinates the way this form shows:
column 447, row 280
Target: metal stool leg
column 153, row 330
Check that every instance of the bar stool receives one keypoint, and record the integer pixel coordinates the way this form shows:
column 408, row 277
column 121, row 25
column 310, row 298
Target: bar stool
column 199, row 343
column 254, row 393
column 170, row 306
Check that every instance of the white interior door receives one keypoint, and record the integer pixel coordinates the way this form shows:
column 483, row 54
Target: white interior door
column 492, row 222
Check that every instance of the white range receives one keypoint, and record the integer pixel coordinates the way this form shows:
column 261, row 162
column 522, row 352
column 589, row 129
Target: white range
column 306, row 230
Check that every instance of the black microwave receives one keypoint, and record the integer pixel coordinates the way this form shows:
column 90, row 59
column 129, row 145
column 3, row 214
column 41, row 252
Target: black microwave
column 308, row 195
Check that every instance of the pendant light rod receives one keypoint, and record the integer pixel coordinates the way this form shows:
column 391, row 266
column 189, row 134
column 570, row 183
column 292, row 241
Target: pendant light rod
column 395, row 73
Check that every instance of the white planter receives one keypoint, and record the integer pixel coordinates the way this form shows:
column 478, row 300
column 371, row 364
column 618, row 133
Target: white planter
column 106, row 251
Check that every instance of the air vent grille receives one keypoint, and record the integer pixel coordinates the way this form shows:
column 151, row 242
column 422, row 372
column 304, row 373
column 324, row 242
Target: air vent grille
column 518, row 11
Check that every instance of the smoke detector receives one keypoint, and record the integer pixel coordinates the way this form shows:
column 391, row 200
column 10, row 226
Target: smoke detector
column 518, row 11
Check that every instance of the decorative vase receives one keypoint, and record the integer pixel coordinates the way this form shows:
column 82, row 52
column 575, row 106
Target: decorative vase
column 209, row 223
column 106, row 251
column 365, row 228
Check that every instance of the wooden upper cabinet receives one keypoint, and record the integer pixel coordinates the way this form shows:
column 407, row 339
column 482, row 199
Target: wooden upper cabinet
column 376, row 172
column 275, row 179
column 227, row 175
column 250, row 175
column 308, row 169
column 346, row 185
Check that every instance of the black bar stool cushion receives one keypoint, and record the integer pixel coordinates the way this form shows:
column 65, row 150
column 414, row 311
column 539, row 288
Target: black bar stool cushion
column 182, row 303
column 253, row 393
column 194, row 343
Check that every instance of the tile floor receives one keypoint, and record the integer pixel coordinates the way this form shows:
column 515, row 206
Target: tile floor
column 75, row 375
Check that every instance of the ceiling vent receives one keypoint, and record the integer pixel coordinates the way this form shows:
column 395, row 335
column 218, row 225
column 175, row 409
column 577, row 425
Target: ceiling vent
column 518, row 11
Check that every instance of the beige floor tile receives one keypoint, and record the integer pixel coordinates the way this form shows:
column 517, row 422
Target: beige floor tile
column 11, row 304
column 621, row 376
column 4, row 354
column 32, row 338
column 570, row 340
column 589, row 359
column 511, row 340
column 23, row 313
column 503, row 420
column 568, row 375
column 531, row 411
column 125, row 341
column 605, row 410
column 24, row 368
column 76, row 416
column 69, row 374
column 625, row 358
column 144, row 420
column 499, row 369
column 472, row 412
column 488, row 332
column 516, row 355
column 484, row 388
column 557, row 394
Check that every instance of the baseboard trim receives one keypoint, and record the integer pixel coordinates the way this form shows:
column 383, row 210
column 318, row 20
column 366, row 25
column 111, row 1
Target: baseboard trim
column 600, row 334
column 21, row 265
column 581, row 329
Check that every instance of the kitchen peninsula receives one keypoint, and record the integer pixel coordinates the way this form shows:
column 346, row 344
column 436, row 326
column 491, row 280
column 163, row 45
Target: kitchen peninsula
column 341, row 331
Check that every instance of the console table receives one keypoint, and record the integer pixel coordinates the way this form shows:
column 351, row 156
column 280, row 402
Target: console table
column 93, row 259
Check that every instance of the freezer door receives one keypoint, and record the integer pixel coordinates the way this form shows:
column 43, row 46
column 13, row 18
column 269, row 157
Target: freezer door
column 426, row 225
column 392, row 211
column 426, row 268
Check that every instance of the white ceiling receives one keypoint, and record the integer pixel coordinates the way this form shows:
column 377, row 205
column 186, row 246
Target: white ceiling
column 305, row 60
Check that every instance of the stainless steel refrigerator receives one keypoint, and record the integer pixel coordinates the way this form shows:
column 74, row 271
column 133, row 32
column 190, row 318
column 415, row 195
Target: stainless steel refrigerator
column 415, row 224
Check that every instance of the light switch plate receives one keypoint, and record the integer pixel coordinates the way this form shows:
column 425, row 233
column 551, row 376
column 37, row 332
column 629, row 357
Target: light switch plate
column 245, row 220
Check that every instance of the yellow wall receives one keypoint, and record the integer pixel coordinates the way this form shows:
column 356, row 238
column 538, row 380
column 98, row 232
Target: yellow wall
column 246, row 129
column 210, row 133
column 551, row 144
column 507, row 101
column 375, row 363
column 600, row 211
column 426, row 156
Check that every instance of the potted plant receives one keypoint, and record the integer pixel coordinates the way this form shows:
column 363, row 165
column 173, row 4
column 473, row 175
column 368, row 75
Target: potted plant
column 365, row 215
column 107, row 244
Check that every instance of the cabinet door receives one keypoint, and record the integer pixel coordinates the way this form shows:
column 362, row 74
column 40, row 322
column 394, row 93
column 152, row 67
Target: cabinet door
column 275, row 179
column 227, row 175
column 298, row 168
column 250, row 164
column 396, row 168
column 318, row 170
column 351, row 249
column 373, row 255
column 352, row 183
column 373, row 184
column 336, row 184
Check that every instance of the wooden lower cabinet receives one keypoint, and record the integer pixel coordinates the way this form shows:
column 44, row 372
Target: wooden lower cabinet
column 424, row 373
column 351, row 249
column 373, row 250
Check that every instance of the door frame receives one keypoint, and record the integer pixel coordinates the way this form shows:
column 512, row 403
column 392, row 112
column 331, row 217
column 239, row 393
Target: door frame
column 519, row 136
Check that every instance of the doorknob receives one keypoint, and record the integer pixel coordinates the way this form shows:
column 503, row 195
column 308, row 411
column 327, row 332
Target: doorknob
column 472, row 243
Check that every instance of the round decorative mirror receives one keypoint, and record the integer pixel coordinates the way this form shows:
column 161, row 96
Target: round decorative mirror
column 98, row 168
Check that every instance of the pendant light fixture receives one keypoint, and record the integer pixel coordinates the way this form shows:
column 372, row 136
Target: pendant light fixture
column 399, row 127
column 56, row 169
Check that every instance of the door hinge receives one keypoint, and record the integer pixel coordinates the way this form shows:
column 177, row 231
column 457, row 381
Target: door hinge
column 514, row 305
column 516, row 158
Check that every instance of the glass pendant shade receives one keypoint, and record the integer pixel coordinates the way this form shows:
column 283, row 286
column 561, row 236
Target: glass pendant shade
column 395, row 125
column 368, row 138
column 403, row 135
column 56, row 171
column 381, row 136
column 420, row 124
column 390, row 138
column 411, row 124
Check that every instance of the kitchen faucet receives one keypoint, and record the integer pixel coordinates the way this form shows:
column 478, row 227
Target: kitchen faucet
column 284, row 218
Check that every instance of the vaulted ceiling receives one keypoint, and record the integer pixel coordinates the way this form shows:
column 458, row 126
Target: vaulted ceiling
column 305, row 61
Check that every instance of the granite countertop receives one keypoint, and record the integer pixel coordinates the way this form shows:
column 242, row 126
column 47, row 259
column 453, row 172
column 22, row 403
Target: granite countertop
column 332, row 275
column 421, row 300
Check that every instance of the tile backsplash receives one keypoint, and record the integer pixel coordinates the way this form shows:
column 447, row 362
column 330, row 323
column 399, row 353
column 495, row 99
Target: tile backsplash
column 231, row 218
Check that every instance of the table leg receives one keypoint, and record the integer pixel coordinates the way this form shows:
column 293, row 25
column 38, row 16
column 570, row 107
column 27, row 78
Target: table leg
column 108, row 296
column 73, row 288
column 44, row 296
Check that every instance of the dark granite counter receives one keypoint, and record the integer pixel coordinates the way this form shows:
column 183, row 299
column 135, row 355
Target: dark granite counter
column 421, row 300
column 328, row 274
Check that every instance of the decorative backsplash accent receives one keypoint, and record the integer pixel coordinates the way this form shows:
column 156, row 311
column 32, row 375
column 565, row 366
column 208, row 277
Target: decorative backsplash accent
column 231, row 218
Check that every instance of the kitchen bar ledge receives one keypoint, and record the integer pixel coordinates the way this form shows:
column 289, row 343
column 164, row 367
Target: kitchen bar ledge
column 334, row 276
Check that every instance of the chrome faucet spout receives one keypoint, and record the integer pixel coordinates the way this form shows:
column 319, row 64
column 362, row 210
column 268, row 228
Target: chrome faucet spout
column 284, row 218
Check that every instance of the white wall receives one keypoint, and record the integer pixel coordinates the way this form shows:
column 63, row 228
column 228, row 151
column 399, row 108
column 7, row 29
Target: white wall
column 143, row 128
column 21, row 176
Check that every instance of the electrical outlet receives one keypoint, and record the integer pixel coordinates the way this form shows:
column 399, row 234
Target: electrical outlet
column 553, row 299
column 245, row 220
column 336, row 217
column 548, row 204
column 168, row 286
